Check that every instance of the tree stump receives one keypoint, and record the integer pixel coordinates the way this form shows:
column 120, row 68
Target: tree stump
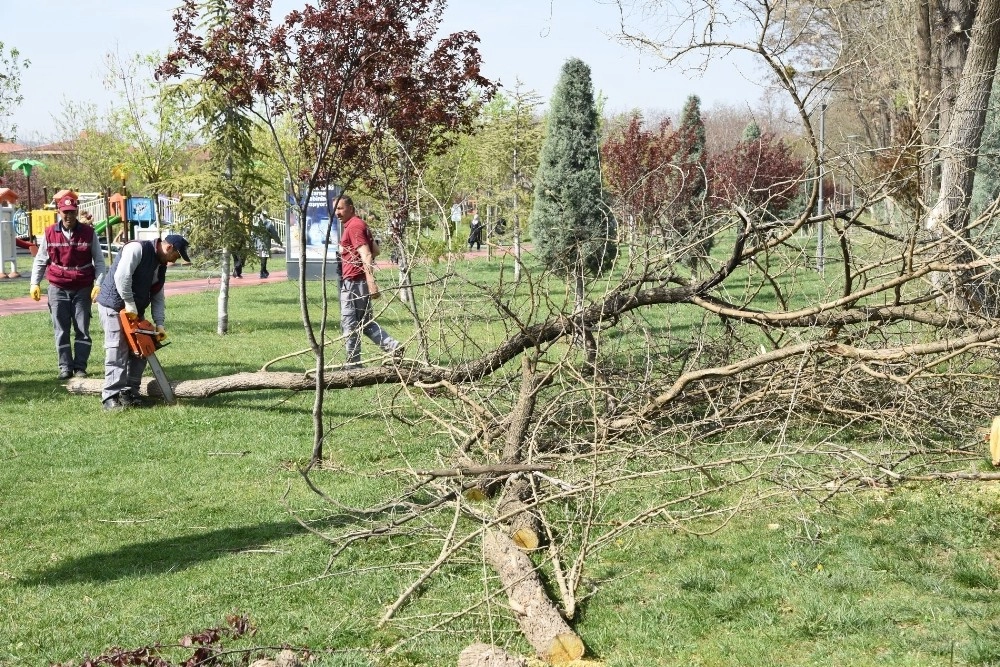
column 487, row 655
column 540, row 622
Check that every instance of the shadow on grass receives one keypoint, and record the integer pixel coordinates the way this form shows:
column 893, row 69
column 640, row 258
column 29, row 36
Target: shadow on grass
column 160, row 556
column 36, row 386
column 177, row 553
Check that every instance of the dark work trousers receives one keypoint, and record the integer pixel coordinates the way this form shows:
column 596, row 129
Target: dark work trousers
column 122, row 369
column 71, row 308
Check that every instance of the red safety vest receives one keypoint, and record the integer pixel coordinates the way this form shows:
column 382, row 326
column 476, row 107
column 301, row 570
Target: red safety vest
column 71, row 261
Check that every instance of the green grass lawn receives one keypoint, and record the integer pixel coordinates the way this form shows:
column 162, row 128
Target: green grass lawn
column 141, row 527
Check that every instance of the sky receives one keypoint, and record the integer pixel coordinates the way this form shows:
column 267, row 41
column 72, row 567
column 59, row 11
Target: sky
column 66, row 42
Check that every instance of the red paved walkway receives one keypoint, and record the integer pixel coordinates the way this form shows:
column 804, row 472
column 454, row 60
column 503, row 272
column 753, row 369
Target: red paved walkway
column 26, row 304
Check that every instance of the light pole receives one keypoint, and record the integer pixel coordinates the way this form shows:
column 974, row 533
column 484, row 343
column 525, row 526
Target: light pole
column 26, row 167
column 820, row 259
column 820, row 75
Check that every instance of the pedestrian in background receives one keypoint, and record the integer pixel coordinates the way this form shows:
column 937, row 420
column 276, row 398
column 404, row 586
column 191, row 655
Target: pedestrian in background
column 476, row 232
column 358, row 287
column 268, row 233
column 238, row 262
column 70, row 255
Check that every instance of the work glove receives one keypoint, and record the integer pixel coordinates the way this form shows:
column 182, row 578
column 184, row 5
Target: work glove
column 94, row 292
column 35, row 292
column 161, row 333
column 131, row 312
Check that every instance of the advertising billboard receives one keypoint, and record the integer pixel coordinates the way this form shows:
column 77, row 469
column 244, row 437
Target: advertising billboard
column 320, row 234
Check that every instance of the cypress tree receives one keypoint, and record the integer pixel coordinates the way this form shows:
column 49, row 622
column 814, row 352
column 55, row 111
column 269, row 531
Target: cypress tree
column 688, row 216
column 691, row 157
column 571, row 225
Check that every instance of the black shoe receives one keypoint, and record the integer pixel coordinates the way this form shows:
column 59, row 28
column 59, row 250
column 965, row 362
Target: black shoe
column 128, row 399
column 79, row 373
column 65, row 374
column 112, row 404
column 264, row 274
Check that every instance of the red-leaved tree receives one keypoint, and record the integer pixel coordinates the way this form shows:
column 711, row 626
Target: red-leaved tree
column 351, row 75
column 757, row 174
column 637, row 164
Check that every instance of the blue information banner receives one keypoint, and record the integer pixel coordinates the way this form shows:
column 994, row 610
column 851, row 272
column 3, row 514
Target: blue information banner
column 141, row 209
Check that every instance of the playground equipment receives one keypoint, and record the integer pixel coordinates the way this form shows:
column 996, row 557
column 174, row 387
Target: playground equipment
column 101, row 225
column 138, row 214
column 8, row 239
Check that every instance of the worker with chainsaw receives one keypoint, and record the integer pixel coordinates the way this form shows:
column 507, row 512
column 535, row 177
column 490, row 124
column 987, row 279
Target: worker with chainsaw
column 133, row 284
column 70, row 256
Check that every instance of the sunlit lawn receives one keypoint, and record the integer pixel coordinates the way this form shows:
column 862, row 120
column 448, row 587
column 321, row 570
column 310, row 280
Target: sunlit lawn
column 136, row 528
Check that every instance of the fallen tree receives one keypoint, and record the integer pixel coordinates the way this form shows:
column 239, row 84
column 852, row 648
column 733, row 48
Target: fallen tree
column 688, row 418
column 696, row 398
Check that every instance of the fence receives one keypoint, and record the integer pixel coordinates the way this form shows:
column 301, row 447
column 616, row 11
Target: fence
column 169, row 216
column 95, row 205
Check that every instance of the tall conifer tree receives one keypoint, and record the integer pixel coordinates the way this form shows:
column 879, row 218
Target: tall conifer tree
column 571, row 226
column 688, row 216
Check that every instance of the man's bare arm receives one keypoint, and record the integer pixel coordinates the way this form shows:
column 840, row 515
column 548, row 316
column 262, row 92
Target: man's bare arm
column 366, row 262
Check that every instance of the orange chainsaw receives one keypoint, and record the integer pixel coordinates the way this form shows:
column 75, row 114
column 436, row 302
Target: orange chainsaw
column 144, row 341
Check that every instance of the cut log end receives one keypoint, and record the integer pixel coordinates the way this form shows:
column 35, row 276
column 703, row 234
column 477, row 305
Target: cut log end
column 487, row 655
column 525, row 539
column 564, row 648
column 475, row 495
column 995, row 441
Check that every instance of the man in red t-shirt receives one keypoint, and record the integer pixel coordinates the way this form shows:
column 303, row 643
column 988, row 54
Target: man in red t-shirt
column 358, row 287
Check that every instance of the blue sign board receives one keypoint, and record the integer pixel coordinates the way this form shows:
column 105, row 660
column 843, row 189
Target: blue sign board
column 141, row 209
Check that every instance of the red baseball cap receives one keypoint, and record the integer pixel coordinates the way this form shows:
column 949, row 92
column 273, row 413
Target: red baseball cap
column 67, row 203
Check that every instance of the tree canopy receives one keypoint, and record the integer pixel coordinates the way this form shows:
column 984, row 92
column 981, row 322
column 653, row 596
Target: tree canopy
column 570, row 221
column 11, row 68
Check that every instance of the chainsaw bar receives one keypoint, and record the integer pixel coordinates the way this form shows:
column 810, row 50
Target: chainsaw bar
column 142, row 340
column 161, row 379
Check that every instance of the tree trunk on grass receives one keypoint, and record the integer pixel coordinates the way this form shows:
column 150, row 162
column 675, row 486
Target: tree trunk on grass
column 540, row 622
column 524, row 526
column 487, row 655
column 258, row 381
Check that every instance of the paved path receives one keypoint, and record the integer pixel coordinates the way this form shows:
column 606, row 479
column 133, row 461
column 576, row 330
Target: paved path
column 26, row 304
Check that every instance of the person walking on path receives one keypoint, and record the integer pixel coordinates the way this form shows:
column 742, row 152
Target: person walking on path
column 238, row 262
column 70, row 256
column 134, row 283
column 476, row 232
column 358, row 287
column 269, row 232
